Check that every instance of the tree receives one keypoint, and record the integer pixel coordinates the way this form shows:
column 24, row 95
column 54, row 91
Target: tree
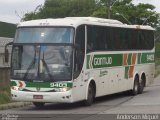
column 144, row 14
column 127, row 12
column 122, row 10
column 63, row 8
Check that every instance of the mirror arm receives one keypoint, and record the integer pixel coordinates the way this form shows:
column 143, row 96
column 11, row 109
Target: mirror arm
column 6, row 51
column 10, row 43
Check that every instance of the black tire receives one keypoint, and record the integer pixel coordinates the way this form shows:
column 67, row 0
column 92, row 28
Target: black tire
column 135, row 89
column 141, row 85
column 91, row 95
column 38, row 104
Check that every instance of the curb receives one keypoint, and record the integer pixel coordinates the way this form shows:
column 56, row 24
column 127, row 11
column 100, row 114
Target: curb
column 14, row 105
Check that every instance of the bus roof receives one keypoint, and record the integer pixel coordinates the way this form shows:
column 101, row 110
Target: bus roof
column 76, row 21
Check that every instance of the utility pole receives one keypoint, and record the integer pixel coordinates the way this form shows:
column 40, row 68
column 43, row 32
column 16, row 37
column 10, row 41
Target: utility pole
column 124, row 18
column 148, row 18
column 109, row 8
column 109, row 5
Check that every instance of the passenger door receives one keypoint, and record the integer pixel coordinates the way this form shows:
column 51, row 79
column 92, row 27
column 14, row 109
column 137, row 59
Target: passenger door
column 78, row 72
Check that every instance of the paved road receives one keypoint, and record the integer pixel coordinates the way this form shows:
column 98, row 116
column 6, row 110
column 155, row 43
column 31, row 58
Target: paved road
column 146, row 103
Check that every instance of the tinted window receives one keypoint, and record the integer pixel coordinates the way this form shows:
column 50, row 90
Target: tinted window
column 101, row 38
column 80, row 50
column 45, row 35
column 145, row 39
column 96, row 38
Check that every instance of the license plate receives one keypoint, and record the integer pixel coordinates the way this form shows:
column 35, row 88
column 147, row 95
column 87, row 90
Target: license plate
column 37, row 96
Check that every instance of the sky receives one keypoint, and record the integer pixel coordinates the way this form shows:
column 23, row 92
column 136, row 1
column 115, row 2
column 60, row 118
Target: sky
column 12, row 11
column 156, row 3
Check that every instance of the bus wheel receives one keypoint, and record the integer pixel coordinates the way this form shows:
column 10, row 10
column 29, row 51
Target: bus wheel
column 135, row 89
column 141, row 84
column 91, row 95
column 38, row 104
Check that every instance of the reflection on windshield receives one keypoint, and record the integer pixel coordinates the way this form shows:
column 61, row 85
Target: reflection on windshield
column 44, row 35
column 44, row 63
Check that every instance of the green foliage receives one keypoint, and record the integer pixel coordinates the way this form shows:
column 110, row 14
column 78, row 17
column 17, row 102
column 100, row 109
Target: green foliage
column 4, row 98
column 63, row 8
column 135, row 14
column 101, row 12
column 5, row 95
column 157, row 45
column 127, row 11
column 7, row 29
column 146, row 15
column 157, row 52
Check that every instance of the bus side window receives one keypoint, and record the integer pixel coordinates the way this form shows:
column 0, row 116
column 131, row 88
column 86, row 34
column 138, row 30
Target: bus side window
column 89, row 42
column 101, row 39
column 116, row 39
column 91, row 38
column 96, row 38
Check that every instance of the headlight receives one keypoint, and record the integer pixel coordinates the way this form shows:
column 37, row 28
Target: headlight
column 16, row 88
column 63, row 89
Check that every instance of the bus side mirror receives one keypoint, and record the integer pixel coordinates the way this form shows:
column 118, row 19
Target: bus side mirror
column 6, row 52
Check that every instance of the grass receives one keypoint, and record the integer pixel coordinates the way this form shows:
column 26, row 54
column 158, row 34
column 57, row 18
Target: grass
column 157, row 54
column 6, row 30
column 5, row 95
column 157, row 71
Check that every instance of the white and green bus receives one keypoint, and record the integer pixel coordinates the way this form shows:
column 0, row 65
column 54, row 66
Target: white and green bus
column 80, row 58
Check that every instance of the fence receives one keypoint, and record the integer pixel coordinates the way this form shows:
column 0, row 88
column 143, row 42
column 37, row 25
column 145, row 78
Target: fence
column 4, row 77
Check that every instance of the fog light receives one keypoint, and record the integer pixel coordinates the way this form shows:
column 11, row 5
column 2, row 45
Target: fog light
column 64, row 89
column 67, row 97
column 14, row 95
column 15, row 88
column 63, row 97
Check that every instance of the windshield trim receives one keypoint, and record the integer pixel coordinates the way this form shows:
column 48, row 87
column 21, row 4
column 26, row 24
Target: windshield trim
column 45, row 27
column 49, row 44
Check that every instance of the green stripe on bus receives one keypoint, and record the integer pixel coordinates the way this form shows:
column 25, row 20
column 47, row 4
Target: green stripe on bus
column 107, row 60
column 113, row 60
column 88, row 58
column 147, row 58
column 45, row 84
column 126, row 72
column 34, row 84
column 129, row 58
column 13, row 83
column 139, row 58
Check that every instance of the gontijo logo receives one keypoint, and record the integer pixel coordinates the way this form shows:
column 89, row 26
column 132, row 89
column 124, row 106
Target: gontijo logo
column 103, row 61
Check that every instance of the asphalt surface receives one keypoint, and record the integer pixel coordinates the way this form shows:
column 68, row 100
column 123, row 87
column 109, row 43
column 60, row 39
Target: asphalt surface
column 143, row 106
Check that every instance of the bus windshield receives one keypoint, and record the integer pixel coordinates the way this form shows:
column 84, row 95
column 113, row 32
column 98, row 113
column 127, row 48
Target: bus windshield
column 41, row 63
column 44, row 35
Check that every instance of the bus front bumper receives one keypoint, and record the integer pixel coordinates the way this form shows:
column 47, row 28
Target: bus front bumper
column 59, row 97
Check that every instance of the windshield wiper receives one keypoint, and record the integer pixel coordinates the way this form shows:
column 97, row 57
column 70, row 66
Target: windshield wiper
column 64, row 55
column 31, row 64
column 47, row 69
column 42, row 48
